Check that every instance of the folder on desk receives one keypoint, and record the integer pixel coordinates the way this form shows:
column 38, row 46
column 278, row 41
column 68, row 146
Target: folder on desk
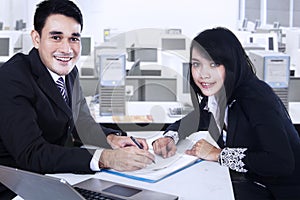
column 162, row 168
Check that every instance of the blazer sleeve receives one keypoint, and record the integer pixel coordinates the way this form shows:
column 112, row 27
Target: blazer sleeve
column 23, row 142
column 266, row 136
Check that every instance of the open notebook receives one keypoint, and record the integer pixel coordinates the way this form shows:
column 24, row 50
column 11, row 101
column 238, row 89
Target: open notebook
column 166, row 167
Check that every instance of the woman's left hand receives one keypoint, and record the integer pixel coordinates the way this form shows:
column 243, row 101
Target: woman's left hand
column 204, row 150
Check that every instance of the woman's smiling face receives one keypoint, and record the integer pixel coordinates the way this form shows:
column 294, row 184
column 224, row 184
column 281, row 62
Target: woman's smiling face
column 207, row 75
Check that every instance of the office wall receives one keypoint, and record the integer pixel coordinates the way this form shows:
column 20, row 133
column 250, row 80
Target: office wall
column 296, row 13
column 191, row 16
column 278, row 11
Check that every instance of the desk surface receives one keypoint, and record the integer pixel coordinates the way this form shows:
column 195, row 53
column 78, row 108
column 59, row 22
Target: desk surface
column 205, row 179
column 294, row 111
column 159, row 111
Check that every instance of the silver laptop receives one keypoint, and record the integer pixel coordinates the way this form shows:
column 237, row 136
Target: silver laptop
column 33, row 186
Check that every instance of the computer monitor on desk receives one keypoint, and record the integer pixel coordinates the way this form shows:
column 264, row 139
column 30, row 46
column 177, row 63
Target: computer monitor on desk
column 177, row 44
column 6, row 48
column 143, row 54
column 146, row 59
column 269, row 41
column 293, row 48
column 86, row 61
column 135, row 69
column 183, row 86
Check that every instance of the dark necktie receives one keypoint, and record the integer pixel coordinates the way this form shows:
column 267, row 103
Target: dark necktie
column 61, row 86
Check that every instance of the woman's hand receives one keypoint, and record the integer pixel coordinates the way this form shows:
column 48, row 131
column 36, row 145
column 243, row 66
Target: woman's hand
column 204, row 150
column 165, row 147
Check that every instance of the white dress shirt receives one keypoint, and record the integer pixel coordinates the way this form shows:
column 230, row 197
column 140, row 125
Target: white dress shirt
column 94, row 164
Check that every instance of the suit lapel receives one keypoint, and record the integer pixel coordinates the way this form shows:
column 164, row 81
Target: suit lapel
column 50, row 89
column 232, row 123
column 46, row 83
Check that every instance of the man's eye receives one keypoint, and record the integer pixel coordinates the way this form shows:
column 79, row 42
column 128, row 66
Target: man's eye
column 55, row 37
column 75, row 39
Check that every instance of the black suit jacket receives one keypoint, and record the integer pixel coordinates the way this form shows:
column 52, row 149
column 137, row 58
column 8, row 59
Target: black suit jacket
column 37, row 126
column 258, row 121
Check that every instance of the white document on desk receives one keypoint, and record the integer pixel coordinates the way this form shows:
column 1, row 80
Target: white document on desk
column 162, row 167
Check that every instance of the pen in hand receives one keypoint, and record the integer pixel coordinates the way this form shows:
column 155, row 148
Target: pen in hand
column 138, row 144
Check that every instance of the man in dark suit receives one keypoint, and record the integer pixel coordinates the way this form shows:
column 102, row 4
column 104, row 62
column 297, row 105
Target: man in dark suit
column 39, row 126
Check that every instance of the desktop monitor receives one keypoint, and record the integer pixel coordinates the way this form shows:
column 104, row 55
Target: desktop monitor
column 257, row 24
column 176, row 44
column 86, row 43
column 86, row 61
column 173, row 44
column 20, row 25
column 183, row 86
column 292, row 47
column 276, row 25
column 142, row 54
column 269, row 41
column 4, row 44
column 6, row 48
column 27, row 44
column 244, row 24
column 135, row 69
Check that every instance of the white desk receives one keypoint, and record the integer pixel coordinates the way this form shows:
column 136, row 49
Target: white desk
column 294, row 111
column 159, row 111
column 204, row 180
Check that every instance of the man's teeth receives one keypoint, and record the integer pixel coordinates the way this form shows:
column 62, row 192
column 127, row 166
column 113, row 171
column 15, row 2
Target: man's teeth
column 63, row 59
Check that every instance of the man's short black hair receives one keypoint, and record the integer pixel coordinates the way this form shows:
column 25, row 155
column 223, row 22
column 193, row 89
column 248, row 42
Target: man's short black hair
column 50, row 7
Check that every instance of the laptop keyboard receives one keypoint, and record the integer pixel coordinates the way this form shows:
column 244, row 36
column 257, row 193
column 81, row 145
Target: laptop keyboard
column 91, row 195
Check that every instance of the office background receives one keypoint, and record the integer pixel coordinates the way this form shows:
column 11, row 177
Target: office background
column 124, row 15
column 105, row 19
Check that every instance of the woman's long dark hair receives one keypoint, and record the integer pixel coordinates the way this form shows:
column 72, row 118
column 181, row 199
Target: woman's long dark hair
column 222, row 47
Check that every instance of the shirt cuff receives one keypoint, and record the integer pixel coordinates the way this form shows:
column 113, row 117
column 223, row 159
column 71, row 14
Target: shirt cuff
column 173, row 135
column 232, row 158
column 94, row 164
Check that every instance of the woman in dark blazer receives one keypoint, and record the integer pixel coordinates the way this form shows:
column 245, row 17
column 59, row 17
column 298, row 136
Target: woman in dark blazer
column 256, row 137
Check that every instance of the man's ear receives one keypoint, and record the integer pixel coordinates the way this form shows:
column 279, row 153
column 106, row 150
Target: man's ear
column 35, row 36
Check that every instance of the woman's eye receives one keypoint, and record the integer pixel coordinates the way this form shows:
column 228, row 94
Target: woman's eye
column 195, row 64
column 214, row 64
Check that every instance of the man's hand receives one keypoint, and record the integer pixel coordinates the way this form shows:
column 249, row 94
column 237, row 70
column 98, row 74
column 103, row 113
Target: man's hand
column 165, row 147
column 126, row 159
column 123, row 141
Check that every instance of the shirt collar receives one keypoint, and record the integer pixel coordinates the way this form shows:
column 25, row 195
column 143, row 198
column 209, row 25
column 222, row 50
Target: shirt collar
column 212, row 104
column 55, row 76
